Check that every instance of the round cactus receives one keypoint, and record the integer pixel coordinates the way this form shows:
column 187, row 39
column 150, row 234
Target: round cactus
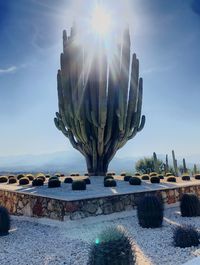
column 150, row 212
column 135, row 181
column 190, row 205
column 4, row 221
column 185, row 236
column 112, row 246
column 79, row 185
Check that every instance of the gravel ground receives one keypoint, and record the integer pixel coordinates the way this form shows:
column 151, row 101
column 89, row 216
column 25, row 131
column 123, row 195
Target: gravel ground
column 43, row 242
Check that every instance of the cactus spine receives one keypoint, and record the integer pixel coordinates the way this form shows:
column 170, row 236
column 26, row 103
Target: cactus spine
column 175, row 163
column 98, row 110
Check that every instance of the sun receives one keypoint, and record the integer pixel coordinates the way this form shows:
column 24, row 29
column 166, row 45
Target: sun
column 101, row 21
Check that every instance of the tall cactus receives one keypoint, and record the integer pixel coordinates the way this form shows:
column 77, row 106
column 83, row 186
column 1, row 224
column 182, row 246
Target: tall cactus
column 166, row 164
column 184, row 166
column 175, row 163
column 155, row 162
column 98, row 110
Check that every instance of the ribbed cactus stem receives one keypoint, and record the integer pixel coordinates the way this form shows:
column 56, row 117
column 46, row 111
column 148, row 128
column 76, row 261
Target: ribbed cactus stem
column 175, row 163
column 195, row 169
column 166, row 164
column 99, row 107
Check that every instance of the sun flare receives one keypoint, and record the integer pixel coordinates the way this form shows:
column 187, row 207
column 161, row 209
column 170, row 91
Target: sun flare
column 101, row 21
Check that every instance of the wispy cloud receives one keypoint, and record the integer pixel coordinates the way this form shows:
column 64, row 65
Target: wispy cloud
column 9, row 70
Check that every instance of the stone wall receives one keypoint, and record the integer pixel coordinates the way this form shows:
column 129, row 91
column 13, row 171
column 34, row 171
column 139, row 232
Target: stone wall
column 37, row 206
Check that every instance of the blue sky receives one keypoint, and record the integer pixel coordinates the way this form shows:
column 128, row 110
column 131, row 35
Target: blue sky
column 164, row 34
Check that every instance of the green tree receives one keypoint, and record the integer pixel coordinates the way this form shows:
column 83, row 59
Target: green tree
column 146, row 165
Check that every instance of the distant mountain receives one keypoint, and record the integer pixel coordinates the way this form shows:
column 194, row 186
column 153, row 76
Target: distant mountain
column 72, row 162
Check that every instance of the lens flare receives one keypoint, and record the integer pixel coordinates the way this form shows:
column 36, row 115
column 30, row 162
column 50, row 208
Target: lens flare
column 101, row 21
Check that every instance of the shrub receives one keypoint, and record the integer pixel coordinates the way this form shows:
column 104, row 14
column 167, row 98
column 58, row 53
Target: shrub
column 30, row 177
column 155, row 179
column 4, row 221
column 185, row 236
column 42, row 177
column 38, row 182
column 24, row 181
column 86, row 174
column 20, row 176
column 12, row 180
column 108, row 177
column 137, row 174
column 197, row 176
column 68, row 180
column 135, row 181
column 112, row 246
column 78, row 185
column 153, row 174
column 110, row 183
column 54, row 183
column 168, row 174
column 150, row 212
column 190, row 205
column 87, row 181
column 186, row 177
column 161, row 176
column 171, row 179
column 123, row 174
column 3, row 179
column 127, row 178
column 145, row 177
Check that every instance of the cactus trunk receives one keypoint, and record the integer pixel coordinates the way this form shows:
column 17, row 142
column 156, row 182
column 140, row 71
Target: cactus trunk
column 175, row 163
column 99, row 105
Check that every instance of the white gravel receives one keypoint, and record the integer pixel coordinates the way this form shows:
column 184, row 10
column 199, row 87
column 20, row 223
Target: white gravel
column 42, row 242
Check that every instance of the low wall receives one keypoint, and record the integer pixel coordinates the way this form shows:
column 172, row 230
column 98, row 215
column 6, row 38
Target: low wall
column 19, row 203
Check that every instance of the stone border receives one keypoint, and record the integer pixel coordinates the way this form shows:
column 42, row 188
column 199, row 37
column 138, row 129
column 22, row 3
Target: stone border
column 38, row 206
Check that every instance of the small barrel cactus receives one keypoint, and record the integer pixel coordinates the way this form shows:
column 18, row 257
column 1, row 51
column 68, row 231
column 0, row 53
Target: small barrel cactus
column 197, row 176
column 87, row 181
column 110, row 183
column 4, row 221
column 12, row 180
column 185, row 177
column 185, row 236
column 3, row 179
column 168, row 174
column 79, row 185
column 30, row 177
column 171, row 179
column 150, row 212
column 127, row 178
column 112, row 246
column 190, row 205
column 54, row 183
column 20, row 176
column 24, row 181
column 145, row 177
column 135, row 181
column 108, row 177
column 155, row 179
column 37, row 182
column 137, row 174
column 68, row 180
column 153, row 174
